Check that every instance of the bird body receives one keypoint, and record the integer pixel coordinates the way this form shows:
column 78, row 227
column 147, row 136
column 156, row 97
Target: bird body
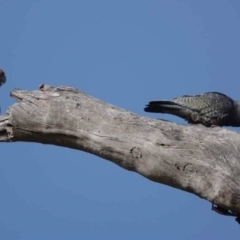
column 211, row 108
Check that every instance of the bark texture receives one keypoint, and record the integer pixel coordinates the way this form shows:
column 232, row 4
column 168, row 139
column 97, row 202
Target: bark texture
column 203, row 161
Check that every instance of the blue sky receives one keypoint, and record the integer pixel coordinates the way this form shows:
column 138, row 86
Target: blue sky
column 127, row 53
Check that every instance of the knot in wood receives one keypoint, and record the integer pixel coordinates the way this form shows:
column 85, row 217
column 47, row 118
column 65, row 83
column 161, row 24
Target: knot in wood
column 136, row 152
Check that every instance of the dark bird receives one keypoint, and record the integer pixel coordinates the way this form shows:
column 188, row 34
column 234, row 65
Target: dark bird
column 2, row 77
column 211, row 108
column 225, row 212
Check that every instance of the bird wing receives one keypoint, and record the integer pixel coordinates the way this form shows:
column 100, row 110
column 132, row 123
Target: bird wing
column 211, row 104
column 210, row 108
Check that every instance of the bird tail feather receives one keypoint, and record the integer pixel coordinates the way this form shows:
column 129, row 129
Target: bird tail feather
column 162, row 107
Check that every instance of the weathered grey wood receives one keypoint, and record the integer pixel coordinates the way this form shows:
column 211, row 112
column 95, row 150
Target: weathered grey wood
column 196, row 159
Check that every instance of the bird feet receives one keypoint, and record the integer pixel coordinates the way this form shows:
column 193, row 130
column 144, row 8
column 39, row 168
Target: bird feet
column 213, row 126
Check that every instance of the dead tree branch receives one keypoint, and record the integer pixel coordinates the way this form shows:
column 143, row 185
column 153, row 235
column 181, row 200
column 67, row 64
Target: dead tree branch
column 203, row 161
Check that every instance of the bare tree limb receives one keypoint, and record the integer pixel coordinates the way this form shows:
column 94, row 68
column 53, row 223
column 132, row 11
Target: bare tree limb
column 203, row 161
